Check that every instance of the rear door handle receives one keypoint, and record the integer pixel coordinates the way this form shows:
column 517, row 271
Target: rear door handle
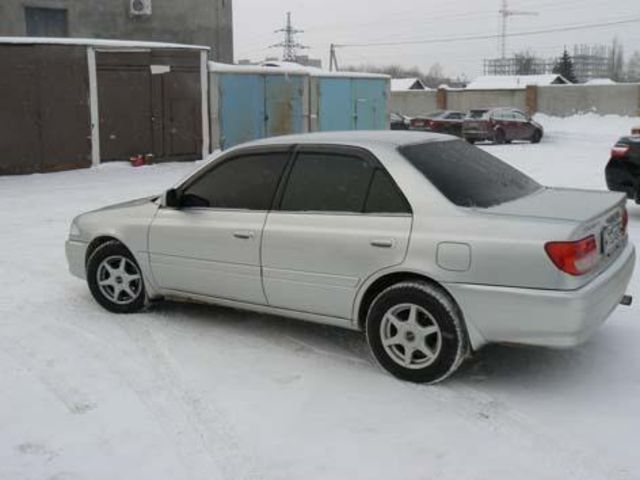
column 243, row 235
column 382, row 243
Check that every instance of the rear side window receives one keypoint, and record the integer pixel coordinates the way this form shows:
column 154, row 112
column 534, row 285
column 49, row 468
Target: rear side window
column 247, row 183
column 467, row 175
column 384, row 196
column 325, row 182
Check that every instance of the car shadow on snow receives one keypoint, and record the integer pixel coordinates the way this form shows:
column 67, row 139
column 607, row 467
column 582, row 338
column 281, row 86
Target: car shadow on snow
column 495, row 366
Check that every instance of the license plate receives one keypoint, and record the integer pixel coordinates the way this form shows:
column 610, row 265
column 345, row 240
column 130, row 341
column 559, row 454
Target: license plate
column 612, row 237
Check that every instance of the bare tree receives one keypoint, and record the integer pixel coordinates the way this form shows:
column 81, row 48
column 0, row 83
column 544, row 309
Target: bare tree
column 633, row 67
column 616, row 61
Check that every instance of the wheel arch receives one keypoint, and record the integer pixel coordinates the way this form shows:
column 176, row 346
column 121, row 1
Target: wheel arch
column 98, row 241
column 375, row 286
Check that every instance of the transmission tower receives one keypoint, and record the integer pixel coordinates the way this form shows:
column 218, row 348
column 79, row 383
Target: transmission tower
column 289, row 45
column 505, row 13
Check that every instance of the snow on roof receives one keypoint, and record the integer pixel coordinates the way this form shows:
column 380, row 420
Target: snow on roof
column 600, row 81
column 404, row 84
column 288, row 68
column 498, row 82
column 96, row 42
column 215, row 67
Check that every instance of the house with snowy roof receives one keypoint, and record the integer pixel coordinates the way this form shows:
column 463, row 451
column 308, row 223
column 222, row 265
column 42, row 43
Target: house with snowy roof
column 514, row 82
column 405, row 84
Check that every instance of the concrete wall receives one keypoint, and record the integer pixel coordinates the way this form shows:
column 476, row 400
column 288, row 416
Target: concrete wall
column 413, row 103
column 465, row 100
column 557, row 100
column 200, row 22
column 565, row 100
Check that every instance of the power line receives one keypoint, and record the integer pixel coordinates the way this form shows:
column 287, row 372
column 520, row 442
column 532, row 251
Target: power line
column 490, row 37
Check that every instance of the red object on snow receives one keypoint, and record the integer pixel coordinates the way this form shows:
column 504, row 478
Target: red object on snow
column 137, row 161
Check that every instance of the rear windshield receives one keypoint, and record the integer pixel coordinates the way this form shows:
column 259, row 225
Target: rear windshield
column 467, row 175
column 478, row 114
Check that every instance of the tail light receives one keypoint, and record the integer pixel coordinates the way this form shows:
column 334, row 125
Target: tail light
column 575, row 258
column 432, row 124
column 619, row 151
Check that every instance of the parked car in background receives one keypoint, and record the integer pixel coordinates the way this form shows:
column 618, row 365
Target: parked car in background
column 623, row 170
column 440, row 121
column 399, row 121
column 500, row 125
column 338, row 228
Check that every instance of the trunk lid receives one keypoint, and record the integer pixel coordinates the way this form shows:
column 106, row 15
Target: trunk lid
column 587, row 212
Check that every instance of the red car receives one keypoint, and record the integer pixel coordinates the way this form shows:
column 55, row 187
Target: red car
column 500, row 125
column 441, row 121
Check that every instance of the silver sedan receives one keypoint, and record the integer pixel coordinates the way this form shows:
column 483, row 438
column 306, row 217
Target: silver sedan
column 431, row 246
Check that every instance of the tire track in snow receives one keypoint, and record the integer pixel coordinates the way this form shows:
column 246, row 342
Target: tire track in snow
column 199, row 427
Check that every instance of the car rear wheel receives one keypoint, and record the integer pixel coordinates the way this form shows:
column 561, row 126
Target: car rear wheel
column 115, row 279
column 536, row 137
column 416, row 333
column 499, row 137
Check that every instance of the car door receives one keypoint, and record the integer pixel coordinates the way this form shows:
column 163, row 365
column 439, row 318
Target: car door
column 339, row 219
column 525, row 129
column 210, row 245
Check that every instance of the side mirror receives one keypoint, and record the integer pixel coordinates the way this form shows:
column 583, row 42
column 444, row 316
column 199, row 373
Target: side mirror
column 172, row 198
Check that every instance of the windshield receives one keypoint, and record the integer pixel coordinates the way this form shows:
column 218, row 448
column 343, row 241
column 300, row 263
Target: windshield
column 467, row 175
column 436, row 114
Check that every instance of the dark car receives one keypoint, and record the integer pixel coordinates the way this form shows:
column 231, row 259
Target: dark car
column 623, row 170
column 500, row 125
column 440, row 121
column 399, row 121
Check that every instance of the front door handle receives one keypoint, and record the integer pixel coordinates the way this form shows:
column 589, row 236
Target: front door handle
column 382, row 243
column 244, row 235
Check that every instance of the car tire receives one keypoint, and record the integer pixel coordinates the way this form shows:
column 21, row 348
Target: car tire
column 536, row 137
column 499, row 137
column 415, row 332
column 115, row 279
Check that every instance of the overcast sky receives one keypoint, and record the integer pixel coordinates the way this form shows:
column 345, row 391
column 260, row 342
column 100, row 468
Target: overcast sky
column 366, row 21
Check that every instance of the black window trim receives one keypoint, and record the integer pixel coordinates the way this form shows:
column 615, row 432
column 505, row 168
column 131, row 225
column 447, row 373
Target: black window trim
column 337, row 149
column 288, row 150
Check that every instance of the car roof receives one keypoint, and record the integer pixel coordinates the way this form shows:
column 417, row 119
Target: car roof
column 361, row 138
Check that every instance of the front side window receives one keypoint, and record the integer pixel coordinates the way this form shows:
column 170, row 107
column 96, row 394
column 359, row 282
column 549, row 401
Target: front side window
column 326, row 182
column 468, row 176
column 246, row 183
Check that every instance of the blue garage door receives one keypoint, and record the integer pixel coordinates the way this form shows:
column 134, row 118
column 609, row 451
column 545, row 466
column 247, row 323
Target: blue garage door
column 242, row 108
column 370, row 97
column 284, row 98
column 335, row 104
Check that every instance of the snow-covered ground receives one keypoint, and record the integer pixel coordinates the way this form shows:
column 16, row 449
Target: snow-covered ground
column 196, row 392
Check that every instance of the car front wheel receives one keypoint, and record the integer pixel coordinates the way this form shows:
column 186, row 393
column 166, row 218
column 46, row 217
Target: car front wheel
column 416, row 333
column 115, row 279
column 536, row 137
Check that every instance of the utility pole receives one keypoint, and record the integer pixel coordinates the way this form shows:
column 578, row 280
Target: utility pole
column 289, row 44
column 505, row 13
column 333, row 58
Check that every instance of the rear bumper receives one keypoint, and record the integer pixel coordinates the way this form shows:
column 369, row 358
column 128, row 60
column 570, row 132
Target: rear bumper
column 549, row 318
column 477, row 135
column 76, row 253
